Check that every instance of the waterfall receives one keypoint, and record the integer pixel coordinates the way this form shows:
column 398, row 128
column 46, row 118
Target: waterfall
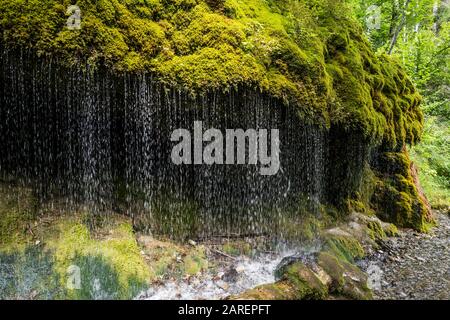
column 99, row 140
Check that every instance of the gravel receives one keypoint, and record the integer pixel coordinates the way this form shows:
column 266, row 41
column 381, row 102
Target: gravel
column 413, row 266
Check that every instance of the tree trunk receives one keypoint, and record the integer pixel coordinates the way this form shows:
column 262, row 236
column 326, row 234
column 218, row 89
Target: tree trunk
column 399, row 28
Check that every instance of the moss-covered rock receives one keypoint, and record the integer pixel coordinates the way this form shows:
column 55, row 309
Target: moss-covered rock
column 306, row 282
column 298, row 282
column 396, row 198
column 376, row 230
column 334, row 269
column 348, row 281
column 328, row 276
column 114, row 262
column 275, row 291
column 311, row 54
column 343, row 245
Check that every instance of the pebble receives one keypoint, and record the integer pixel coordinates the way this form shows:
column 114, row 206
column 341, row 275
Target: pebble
column 416, row 266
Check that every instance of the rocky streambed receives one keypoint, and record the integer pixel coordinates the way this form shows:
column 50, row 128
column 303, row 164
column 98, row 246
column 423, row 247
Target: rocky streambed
column 409, row 265
column 413, row 266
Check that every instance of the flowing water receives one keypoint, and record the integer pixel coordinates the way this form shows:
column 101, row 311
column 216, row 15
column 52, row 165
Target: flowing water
column 230, row 279
column 250, row 273
column 100, row 141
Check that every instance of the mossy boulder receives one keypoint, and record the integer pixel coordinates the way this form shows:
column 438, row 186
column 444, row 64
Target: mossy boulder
column 274, row 291
column 348, row 281
column 343, row 245
column 327, row 276
column 298, row 282
column 111, row 267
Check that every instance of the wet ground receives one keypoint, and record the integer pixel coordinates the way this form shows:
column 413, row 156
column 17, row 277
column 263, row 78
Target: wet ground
column 240, row 275
column 413, row 266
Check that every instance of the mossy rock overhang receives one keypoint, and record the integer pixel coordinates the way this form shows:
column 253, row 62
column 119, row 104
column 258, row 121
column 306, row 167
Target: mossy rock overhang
column 311, row 54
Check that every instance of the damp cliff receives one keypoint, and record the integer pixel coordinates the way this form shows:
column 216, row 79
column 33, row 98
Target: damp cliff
column 86, row 114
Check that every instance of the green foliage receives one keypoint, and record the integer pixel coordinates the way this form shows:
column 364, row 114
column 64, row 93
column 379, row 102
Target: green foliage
column 423, row 47
column 346, row 248
column 432, row 157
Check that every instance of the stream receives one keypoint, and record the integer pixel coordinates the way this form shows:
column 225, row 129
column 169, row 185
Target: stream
column 245, row 274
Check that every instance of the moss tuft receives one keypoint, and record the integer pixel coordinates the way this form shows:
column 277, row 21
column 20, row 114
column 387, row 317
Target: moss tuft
column 344, row 247
column 376, row 231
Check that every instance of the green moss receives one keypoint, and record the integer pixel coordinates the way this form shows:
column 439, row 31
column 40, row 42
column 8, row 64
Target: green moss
column 355, row 286
column 345, row 247
column 114, row 261
column 170, row 260
column 390, row 230
column 274, row 291
column 396, row 198
column 305, row 282
column 299, row 282
column 334, row 269
column 17, row 212
column 28, row 274
column 237, row 248
column 310, row 54
column 347, row 280
column 195, row 262
column 376, row 231
column 299, row 224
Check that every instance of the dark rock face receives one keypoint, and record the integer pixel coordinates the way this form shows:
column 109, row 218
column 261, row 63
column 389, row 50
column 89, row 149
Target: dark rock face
column 101, row 137
column 103, row 140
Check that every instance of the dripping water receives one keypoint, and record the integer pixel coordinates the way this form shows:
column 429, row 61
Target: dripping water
column 100, row 141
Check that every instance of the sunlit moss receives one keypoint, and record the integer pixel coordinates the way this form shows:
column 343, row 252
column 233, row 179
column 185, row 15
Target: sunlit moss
column 114, row 261
column 17, row 212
